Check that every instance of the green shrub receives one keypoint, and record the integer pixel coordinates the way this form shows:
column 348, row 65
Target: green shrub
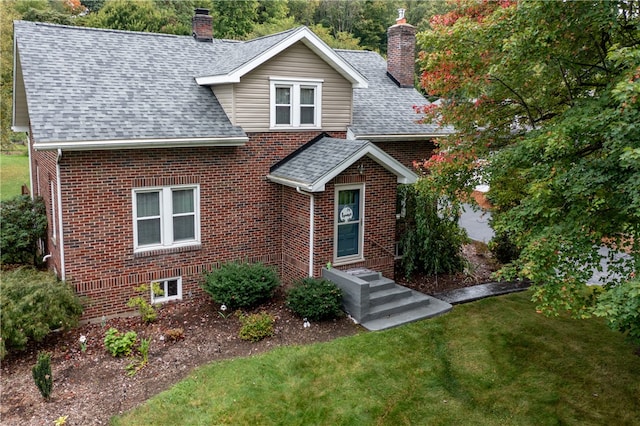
column 431, row 240
column 32, row 304
column 241, row 285
column 119, row 344
column 42, row 375
column 148, row 312
column 315, row 299
column 23, row 222
column 620, row 306
column 256, row 327
column 503, row 248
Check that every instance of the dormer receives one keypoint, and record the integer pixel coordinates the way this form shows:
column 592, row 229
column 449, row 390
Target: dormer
column 289, row 81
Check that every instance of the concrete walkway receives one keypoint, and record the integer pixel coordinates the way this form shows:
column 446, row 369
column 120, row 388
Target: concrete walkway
column 481, row 291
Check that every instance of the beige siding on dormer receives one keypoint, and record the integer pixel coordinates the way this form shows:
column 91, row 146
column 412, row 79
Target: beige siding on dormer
column 224, row 93
column 247, row 102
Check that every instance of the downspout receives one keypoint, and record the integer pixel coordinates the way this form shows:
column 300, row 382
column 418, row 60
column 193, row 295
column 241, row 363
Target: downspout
column 311, row 227
column 30, row 166
column 60, row 231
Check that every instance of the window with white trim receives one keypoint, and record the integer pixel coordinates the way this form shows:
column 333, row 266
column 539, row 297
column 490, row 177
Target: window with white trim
column 295, row 104
column 166, row 217
column 171, row 290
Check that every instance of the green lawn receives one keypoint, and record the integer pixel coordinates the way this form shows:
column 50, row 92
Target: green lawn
column 14, row 172
column 492, row 362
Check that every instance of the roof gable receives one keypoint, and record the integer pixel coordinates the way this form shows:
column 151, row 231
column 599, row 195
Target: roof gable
column 253, row 53
column 316, row 163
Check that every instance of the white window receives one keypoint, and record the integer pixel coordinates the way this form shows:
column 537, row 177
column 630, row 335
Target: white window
column 171, row 290
column 349, row 224
column 166, row 217
column 295, row 104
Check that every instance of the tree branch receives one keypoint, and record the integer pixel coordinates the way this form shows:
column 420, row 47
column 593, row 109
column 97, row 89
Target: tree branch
column 522, row 101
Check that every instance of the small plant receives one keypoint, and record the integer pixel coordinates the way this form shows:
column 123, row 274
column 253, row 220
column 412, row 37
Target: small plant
column 83, row 343
column 223, row 311
column 174, row 334
column 148, row 312
column 139, row 363
column 241, row 285
column 119, row 344
column 256, row 327
column 315, row 299
column 62, row 420
column 42, row 374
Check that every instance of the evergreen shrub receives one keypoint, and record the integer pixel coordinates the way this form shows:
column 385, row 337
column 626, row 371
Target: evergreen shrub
column 431, row 241
column 23, row 221
column 315, row 299
column 32, row 304
column 42, row 375
column 241, row 285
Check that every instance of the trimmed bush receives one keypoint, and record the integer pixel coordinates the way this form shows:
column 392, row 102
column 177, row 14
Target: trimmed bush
column 241, row 285
column 23, row 222
column 33, row 303
column 315, row 299
column 256, row 327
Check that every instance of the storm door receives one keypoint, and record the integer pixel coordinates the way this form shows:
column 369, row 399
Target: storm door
column 349, row 223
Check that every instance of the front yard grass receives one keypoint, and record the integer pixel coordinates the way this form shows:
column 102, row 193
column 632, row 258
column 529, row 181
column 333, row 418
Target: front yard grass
column 492, row 362
column 14, row 172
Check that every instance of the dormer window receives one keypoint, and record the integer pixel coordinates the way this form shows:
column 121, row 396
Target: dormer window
column 295, row 104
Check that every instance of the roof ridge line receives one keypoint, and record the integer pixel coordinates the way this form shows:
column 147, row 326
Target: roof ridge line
column 101, row 30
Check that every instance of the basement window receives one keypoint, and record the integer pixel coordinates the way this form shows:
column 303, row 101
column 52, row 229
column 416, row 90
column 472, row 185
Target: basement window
column 171, row 290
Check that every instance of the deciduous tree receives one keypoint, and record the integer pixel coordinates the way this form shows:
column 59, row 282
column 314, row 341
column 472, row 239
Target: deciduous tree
column 549, row 93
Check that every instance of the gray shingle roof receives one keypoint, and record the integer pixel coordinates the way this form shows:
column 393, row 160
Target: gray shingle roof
column 384, row 108
column 323, row 158
column 317, row 159
column 84, row 84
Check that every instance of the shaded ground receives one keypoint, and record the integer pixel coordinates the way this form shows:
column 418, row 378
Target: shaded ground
column 92, row 386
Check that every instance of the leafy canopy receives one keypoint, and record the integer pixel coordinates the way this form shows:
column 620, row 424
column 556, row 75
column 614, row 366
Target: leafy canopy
column 547, row 93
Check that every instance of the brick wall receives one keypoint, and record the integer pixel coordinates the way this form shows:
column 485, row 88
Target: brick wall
column 407, row 152
column 240, row 214
column 243, row 216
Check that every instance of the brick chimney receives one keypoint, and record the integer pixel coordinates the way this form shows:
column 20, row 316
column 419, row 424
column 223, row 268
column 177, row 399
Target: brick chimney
column 202, row 25
column 401, row 51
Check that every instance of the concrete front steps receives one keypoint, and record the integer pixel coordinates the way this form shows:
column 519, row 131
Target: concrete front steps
column 378, row 303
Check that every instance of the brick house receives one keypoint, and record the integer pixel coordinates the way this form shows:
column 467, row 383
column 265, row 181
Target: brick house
column 161, row 156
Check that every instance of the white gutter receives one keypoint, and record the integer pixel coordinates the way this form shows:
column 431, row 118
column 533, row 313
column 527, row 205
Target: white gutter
column 400, row 137
column 311, row 227
column 60, row 230
column 140, row 143
column 292, row 183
